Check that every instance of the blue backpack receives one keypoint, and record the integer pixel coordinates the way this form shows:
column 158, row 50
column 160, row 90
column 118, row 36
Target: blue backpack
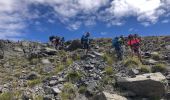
column 115, row 43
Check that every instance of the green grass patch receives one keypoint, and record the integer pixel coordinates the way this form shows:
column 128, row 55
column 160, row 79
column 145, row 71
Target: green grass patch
column 132, row 62
column 6, row 96
column 109, row 70
column 109, row 58
column 74, row 76
column 68, row 92
column 145, row 69
column 32, row 83
column 159, row 68
column 82, row 89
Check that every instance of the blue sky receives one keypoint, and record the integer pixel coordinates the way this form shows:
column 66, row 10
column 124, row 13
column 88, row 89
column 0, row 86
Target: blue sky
column 36, row 20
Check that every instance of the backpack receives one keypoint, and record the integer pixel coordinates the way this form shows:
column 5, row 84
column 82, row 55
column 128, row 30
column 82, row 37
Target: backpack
column 115, row 43
column 85, row 39
column 51, row 38
column 82, row 39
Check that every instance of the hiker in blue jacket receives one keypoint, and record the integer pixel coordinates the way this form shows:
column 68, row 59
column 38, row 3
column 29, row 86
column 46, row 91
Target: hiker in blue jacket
column 85, row 41
column 118, row 48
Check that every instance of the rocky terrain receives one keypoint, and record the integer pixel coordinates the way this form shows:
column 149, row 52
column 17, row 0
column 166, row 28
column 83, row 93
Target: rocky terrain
column 36, row 71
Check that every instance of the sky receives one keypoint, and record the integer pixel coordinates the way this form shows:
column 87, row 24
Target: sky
column 36, row 20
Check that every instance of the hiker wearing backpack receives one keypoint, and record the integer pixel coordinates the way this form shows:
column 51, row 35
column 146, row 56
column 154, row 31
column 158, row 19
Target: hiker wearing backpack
column 118, row 48
column 85, row 41
column 134, row 43
column 57, row 42
column 122, row 43
column 62, row 41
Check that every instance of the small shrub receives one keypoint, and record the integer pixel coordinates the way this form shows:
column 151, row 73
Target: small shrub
column 108, row 58
column 109, row 70
column 59, row 68
column 32, row 83
column 132, row 62
column 76, row 57
column 6, row 96
column 145, row 69
column 38, row 97
column 155, row 56
column 159, row 68
column 63, row 53
column 68, row 92
column 74, row 76
column 82, row 89
column 69, row 62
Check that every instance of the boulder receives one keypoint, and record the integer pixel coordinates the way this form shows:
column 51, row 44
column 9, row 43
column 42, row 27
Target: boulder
column 50, row 51
column 18, row 49
column 108, row 96
column 75, row 44
column 168, row 47
column 45, row 61
column 146, row 85
column 32, row 76
column 56, row 90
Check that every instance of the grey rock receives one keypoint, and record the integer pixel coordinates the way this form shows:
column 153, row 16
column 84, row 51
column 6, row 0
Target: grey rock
column 18, row 49
column 97, row 54
column 149, row 85
column 168, row 47
column 53, row 82
column 133, row 72
column 108, row 96
column 48, row 69
column 45, row 61
column 50, row 51
column 32, row 76
column 56, row 90
column 48, row 90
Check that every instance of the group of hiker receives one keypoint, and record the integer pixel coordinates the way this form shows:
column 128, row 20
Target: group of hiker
column 57, row 41
column 120, row 44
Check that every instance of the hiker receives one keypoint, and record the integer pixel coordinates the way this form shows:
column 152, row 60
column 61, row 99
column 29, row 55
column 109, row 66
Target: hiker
column 134, row 43
column 122, row 43
column 52, row 40
column 55, row 40
column 85, row 41
column 117, row 45
column 62, row 41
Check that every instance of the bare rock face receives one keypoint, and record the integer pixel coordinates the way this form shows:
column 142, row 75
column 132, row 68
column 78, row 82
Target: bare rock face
column 146, row 85
column 108, row 96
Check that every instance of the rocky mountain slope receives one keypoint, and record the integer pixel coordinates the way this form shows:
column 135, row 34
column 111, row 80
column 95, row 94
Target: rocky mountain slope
column 36, row 71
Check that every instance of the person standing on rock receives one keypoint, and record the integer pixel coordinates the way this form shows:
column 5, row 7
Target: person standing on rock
column 62, row 41
column 134, row 44
column 122, row 43
column 118, row 48
column 85, row 41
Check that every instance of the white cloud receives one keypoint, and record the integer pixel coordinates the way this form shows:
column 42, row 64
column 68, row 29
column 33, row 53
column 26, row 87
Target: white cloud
column 144, row 10
column 76, row 13
column 165, row 21
column 11, row 20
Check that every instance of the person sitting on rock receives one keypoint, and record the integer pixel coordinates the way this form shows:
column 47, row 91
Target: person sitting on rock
column 85, row 41
column 118, row 48
column 134, row 43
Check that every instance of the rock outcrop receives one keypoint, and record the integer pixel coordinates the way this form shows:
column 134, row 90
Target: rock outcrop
column 146, row 85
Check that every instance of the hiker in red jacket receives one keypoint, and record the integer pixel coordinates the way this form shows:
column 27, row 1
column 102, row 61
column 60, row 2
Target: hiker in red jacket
column 134, row 43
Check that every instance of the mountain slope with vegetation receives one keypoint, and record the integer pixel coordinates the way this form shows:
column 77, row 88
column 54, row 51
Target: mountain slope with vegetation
column 36, row 71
